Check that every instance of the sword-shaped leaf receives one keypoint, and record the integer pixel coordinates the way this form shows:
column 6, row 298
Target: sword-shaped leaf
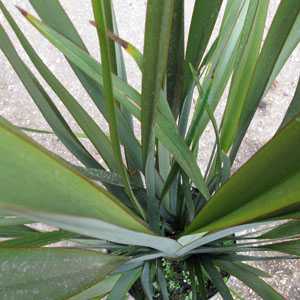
column 277, row 165
column 250, row 279
column 165, row 130
column 37, row 273
column 157, row 35
column 45, row 104
column 282, row 26
column 99, row 12
column 34, row 179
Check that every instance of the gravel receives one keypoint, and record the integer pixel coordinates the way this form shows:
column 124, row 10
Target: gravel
column 16, row 105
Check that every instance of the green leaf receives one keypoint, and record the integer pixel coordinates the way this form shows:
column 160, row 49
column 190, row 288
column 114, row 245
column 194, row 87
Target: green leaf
column 124, row 283
column 99, row 12
column 220, row 65
column 211, row 116
column 79, row 135
column 170, row 137
column 61, row 273
column 175, row 63
column 250, row 279
column 106, row 177
column 100, row 289
column 194, row 283
column 238, row 257
column 204, row 17
column 59, row 20
column 8, row 220
column 140, row 260
column 290, row 247
column 294, row 215
column 294, row 107
column 195, row 241
column 50, row 185
column 45, row 104
column 101, row 230
column 147, row 281
column 37, row 239
column 250, row 44
column 282, row 25
column 279, row 165
column 14, row 230
column 128, row 47
column 108, row 12
column 288, row 48
column 250, row 269
column 217, row 279
column 162, row 284
column 153, row 208
column 291, row 228
column 124, row 115
column 156, row 44
column 88, row 125
column 165, row 130
column 197, row 269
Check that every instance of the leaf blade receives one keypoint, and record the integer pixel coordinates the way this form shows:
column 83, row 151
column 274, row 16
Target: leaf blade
column 281, row 27
column 60, row 278
column 127, row 96
column 157, row 35
column 45, row 169
column 251, row 280
column 277, row 186
column 100, row 17
column 45, row 104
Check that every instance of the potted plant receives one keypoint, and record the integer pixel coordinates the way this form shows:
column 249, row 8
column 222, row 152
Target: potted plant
column 146, row 219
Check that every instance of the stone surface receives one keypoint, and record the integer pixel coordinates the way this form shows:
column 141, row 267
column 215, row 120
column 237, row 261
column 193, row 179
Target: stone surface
column 16, row 105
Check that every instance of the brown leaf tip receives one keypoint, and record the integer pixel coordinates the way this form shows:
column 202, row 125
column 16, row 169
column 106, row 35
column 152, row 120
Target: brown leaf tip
column 118, row 40
column 112, row 36
column 92, row 23
column 22, row 11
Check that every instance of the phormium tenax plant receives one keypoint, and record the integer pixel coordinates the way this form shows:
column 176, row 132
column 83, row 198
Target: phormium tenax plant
column 146, row 219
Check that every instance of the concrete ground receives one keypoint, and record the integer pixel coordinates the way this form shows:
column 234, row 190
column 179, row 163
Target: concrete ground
column 16, row 105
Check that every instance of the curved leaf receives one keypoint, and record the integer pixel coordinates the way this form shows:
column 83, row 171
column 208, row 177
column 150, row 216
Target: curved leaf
column 250, row 279
column 100, row 289
column 217, row 279
column 250, row 43
column 35, row 179
column 157, row 35
column 37, row 239
column 165, row 129
column 277, row 164
column 204, row 17
column 101, row 230
column 124, row 283
column 288, row 229
column 59, row 20
column 110, row 102
column 38, row 273
column 278, row 36
column 45, row 104
column 95, row 134
column 294, row 107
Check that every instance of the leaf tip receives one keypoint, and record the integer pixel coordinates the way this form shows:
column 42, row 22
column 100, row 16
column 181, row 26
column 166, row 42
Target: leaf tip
column 113, row 37
column 22, row 11
column 92, row 23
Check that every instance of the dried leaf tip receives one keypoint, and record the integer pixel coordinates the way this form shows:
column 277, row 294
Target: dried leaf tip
column 92, row 23
column 22, row 11
column 114, row 37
